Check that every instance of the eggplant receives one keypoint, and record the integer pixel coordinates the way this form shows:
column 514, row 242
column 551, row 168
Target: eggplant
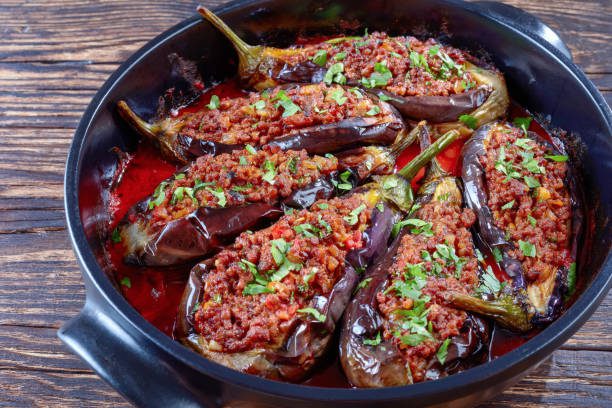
column 475, row 90
column 304, row 334
column 318, row 118
column 369, row 350
column 533, row 236
column 156, row 237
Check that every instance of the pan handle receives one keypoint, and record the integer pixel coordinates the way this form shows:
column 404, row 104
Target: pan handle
column 130, row 364
column 525, row 22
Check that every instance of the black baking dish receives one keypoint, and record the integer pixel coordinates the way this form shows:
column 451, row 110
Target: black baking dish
column 149, row 368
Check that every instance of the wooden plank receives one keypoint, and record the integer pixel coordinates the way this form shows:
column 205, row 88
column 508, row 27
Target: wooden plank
column 575, row 378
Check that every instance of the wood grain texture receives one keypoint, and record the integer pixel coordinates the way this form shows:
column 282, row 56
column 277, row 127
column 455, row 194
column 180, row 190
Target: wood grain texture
column 54, row 55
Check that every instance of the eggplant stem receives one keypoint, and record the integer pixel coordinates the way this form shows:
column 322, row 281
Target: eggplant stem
column 246, row 52
column 411, row 169
column 404, row 140
column 503, row 310
column 136, row 122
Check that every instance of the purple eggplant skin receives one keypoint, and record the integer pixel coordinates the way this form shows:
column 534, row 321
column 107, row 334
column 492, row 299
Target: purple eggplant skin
column 541, row 304
column 166, row 134
column 309, row 339
column 382, row 365
column 205, row 230
column 262, row 67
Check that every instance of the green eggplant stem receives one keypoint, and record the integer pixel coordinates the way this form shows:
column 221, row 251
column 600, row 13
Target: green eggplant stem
column 140, row 125
column 246, row 52
column 403, row 140
column 411, row 169
column 503, row 310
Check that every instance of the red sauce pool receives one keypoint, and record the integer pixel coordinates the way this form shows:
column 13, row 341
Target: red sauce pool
column 155, row 292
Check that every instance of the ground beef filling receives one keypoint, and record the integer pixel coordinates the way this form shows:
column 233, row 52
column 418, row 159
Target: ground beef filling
column 263, row 116
column 240, row 177
column 248, row 303
column 413, row 67
column 430, row 261
column 529, row 200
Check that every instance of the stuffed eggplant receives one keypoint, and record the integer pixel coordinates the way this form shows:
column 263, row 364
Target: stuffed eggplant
column 422, row 79
column 319, row 118
column 530, row 217
column 211, row 201
column 399, row 327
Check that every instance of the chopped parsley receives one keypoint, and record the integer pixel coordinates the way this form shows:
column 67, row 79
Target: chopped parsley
column 353, row 217
column 279, row 251
column 373, row 342
column 250, row 149
column 338, row 96
column 116, row 236
column 159, row 195
column 531, row 220
column 219, row 194
column 497, row 255
column 259, row 285
column 508, row 205
column 323, row 206
column 180, row 193
column 320, row 58
column 125, row 281
column 385, row 98
column 179, row 176
column 363, row 284
column 420, row 227
column 335, row 74
column 523, row 123
column 380, row 77
column 314, row 313
column 243, row 187
column 340, row 56
column 259, row 105
column 374, row 110
column 270, row 173
column 216, row 298
column 527, row 248
column 307, row 230
column 531, row 182
column 571, row 280
column 556, row 157
column 443, row 351
column 214, row 102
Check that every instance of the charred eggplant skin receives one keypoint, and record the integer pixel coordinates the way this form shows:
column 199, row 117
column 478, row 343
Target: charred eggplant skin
column 310, row 338
column 476, row 198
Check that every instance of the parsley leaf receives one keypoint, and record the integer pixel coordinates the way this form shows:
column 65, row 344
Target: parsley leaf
column 489, row 284
column 125, row 281
column 270, row 173
column 527, row 248
column 523, row 123
column 338, row 96
column 314, row 313
column 373, row 342
column 219, row 194
column 353, row 216
column 320, row 58
column 556, row 157
column 159, row 195
column 443, row 351
column 116, row 236
column 214, row 102
column 335, row 74
column 374, row 110
column 508, row 205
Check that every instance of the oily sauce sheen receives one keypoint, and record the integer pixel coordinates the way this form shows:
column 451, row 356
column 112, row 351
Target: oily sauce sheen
column 156, row 292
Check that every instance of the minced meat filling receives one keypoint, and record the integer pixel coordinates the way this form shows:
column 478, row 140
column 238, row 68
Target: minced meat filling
column 263, row 116
column 262, row 284
column 529, row 200
column 402, row 65
column 231, row 179
column 437, row 256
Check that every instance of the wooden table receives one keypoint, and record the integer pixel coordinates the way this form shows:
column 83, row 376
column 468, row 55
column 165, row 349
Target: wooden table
column 54, row 55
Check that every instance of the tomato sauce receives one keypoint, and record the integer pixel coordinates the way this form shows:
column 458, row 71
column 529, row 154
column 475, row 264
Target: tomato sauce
column 156, row 292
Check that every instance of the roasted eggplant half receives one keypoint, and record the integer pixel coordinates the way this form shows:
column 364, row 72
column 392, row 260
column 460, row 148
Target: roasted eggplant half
column 400, row 328
column 319, row 118
column 424, row 80
column 208, row 203
column 530, row 217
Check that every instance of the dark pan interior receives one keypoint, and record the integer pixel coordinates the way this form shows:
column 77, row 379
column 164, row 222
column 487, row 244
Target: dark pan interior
column 537, row 79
